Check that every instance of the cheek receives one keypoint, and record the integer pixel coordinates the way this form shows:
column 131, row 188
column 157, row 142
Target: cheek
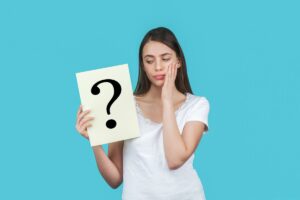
column 148, row 66
column 146, row 70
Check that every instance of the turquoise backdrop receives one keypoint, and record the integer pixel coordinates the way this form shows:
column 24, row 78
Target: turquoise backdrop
column 242, row 55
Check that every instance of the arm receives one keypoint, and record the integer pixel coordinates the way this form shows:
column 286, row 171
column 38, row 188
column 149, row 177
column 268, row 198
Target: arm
column 111, row 166
column 178, row 148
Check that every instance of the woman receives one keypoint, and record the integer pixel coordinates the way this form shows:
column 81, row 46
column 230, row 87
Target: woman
column 158, row 164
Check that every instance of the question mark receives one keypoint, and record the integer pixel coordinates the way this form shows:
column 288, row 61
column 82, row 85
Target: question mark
column 117, row 91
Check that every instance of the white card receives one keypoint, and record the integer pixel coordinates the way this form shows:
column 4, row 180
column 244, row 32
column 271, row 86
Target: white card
column 107, row 92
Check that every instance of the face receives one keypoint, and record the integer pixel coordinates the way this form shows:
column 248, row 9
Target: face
column 156, row 58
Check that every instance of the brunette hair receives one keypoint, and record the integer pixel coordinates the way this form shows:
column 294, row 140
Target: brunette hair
column 167, row 37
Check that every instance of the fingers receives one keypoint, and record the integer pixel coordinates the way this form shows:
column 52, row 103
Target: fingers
column 84, row 124
column 82, row 115
column 85, row 134
column 83, row 121
column 86, row 119
column 83, row 129
column 175, row 71
column 78, row 113
column 171, row 72
column 79, row 110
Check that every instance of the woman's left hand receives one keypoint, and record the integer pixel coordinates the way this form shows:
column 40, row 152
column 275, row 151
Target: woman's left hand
column 169, row 84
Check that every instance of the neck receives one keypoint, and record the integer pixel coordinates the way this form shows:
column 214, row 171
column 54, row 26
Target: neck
column 154, row 93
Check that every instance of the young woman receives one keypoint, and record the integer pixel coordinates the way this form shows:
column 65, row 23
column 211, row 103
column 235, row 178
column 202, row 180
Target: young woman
column 158, row 164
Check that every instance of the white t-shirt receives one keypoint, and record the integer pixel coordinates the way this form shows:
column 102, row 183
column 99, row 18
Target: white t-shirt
column 146, row 175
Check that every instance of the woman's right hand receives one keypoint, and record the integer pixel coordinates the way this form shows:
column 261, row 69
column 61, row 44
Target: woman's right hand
column 82, row 122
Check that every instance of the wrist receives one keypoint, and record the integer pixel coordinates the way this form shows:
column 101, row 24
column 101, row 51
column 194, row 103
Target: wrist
column 167, row 105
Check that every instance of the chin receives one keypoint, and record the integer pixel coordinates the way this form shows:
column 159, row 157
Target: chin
column 158, row 83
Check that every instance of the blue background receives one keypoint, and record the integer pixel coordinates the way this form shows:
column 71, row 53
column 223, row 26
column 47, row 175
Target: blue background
column 242, row 55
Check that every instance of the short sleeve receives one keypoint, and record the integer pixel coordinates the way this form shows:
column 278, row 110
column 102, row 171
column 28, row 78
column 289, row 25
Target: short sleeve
column 199, row 112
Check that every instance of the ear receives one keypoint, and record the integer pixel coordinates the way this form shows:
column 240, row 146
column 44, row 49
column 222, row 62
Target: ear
column 178, row 63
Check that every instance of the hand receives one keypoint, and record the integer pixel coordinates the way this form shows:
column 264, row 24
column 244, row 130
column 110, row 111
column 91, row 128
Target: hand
column 82, row 122
column 169, row 84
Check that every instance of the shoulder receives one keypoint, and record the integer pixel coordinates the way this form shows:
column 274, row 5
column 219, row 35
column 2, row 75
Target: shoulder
column 198, row 110
column 198, row 101
column 140, row 98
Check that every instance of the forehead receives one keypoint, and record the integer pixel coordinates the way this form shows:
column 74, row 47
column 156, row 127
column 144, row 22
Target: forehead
column 156, row 48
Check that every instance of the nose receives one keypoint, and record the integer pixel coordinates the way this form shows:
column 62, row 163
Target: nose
column 158, row 67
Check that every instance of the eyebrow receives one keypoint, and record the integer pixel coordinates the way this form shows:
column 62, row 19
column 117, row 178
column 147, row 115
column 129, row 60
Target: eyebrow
column 160, row 55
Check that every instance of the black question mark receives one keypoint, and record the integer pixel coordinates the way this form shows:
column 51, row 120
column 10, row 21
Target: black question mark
column 117, row 91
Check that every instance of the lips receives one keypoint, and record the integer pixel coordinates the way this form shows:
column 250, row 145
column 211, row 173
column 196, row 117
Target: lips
column 159, row 77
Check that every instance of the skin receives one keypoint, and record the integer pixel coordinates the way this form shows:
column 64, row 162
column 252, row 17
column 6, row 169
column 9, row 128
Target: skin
column 158, row 104
column 160, row 59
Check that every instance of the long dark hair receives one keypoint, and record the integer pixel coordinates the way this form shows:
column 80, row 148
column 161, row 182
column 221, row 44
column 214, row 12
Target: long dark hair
column 167, row 37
